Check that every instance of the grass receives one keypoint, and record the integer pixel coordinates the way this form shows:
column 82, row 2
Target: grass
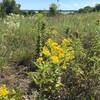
column 23, row 40
column 24, row 37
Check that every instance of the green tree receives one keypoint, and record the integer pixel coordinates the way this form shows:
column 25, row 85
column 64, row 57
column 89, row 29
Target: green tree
column 9, row 6
column 86, row 9
column 2, row 10
column 53, row 9
column 97, row 7
column 80, row 10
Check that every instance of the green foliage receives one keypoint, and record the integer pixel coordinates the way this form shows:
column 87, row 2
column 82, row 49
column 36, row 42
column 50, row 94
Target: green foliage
column 88, row 9
column 83, row 77
column 53, row 9
column 97, row 7
column 9, row 6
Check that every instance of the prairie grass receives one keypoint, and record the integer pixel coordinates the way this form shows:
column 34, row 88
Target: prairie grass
column 24, row 38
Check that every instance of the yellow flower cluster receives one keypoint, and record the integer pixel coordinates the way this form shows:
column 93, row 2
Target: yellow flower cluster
column 46, row 51
column 40, row 60
column 55, row 59
column 55, row 52
column 3, row 91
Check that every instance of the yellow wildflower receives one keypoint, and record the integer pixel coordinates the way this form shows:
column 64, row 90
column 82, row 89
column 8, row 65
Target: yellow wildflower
column 3, row 91
column 52, row 44
column 46, row 51
column 61, row 53
column 55, row 59
column 50, row 41
column 40, row 60
column 55, row 46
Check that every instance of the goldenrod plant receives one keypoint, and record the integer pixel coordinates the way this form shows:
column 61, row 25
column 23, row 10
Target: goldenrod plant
column 52, row 64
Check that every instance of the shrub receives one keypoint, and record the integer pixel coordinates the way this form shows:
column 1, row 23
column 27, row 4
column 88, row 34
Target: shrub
column 53, row 9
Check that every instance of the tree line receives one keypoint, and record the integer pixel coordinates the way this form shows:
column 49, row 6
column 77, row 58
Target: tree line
column 10, row 6
column 90, row 9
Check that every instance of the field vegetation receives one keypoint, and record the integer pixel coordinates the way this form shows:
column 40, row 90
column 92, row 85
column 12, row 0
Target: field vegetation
column 44, row 57
column 22, row 41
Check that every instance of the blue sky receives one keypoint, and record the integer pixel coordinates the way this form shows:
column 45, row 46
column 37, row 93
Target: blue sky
column 64, row 4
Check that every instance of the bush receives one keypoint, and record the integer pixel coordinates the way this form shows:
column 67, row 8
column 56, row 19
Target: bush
column 53, row 9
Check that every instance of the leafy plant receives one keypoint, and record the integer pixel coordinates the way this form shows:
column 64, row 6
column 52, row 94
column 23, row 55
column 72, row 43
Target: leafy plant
column 51, row 65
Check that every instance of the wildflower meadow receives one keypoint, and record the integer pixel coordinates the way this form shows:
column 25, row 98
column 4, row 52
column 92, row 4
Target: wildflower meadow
column 46, row 57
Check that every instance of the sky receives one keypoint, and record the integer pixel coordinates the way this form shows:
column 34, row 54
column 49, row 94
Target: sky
column 64, row 4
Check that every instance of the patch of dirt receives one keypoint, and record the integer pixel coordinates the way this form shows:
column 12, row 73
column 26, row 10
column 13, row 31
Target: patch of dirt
column 16, row 78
